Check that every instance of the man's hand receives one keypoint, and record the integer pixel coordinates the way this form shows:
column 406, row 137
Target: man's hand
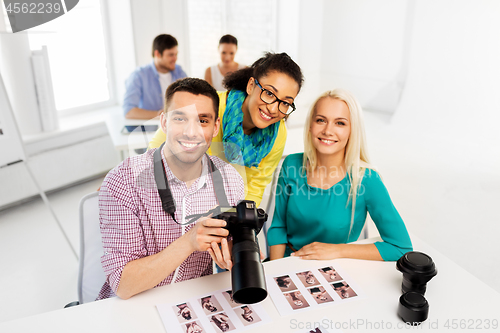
column 222, row 255
column 205, row 232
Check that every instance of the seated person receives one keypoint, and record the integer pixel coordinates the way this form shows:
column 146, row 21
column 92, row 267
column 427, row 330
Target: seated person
column 146, row 86
column 252, row 112
column 228, row 45
column 144, row 246
column 323, row 194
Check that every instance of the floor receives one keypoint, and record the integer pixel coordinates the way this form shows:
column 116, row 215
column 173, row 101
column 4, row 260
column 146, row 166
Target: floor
column 39, row 270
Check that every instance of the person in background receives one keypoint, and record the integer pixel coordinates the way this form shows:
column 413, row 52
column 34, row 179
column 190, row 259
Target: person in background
column 324, row 194
column 144, row 246
column 146, row 86
column 252, row 112
column 228, row 45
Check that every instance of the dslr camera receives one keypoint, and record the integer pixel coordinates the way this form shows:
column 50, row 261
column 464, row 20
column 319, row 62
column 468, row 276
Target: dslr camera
column 244, row 222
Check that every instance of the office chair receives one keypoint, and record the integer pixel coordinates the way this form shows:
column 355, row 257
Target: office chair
column 271, row 202
column 91, row 276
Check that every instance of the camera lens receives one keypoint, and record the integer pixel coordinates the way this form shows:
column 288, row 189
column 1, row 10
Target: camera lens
column 413, row 308
column 417, row 268
column 247, row 274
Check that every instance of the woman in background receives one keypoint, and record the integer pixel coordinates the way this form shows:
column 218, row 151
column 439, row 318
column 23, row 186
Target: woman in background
column 228, row 45
column 323, row 194
column 252, row 132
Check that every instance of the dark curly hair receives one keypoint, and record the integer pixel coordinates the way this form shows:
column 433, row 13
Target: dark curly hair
column 279, row 62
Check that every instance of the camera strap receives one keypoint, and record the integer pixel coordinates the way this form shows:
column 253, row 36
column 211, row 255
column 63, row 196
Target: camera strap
column 167, row 200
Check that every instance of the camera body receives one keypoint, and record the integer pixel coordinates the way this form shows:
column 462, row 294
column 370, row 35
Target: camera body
column 244, row 222
column 244, row 215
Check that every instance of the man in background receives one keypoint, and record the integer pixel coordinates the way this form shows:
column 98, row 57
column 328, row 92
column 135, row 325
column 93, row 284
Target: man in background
column 146, row 86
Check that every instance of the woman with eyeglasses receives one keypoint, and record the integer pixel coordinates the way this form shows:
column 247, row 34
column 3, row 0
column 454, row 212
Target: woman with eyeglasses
column 252, row 113
column 324, row 194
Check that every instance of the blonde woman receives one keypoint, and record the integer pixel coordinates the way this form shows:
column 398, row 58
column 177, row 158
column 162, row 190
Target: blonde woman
column 323, row 194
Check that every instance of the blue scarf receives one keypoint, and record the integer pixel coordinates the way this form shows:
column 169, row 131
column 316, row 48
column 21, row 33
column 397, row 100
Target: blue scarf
column 241, row 149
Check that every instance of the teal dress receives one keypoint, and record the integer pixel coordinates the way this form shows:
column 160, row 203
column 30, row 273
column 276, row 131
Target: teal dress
column 305, row 214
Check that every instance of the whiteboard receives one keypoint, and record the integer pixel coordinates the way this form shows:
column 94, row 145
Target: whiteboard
column 11, row 145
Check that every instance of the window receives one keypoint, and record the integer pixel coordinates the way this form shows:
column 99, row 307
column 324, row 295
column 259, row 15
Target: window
column 77, row 56
column 253, row 23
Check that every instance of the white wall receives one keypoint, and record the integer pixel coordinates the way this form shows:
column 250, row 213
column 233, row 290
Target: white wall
column 363, row 47
column 448, row 123
column 121, row 42
column 153, row 17
column 304, row 44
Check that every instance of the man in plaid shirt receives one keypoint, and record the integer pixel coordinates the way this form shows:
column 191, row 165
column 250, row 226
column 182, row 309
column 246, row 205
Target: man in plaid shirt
column 143, row 246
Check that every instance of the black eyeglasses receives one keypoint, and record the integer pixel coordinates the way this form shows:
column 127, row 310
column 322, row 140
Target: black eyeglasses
column 269, row 97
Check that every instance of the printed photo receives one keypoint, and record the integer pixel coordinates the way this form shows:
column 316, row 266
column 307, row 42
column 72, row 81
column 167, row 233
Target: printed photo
column 344, row 290
column 221, row 322
column 320, row 295
column 193, row 327
column 210, row 304
column 296, row 300
column 330, row 274
column 285, row 283
column 308, row 279
column 184, row 312
column 247, row 315
column 228, row 295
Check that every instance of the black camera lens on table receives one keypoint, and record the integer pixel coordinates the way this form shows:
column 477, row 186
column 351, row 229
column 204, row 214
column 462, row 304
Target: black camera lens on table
column 413, row 307
column 244, row 222
column 418, row 269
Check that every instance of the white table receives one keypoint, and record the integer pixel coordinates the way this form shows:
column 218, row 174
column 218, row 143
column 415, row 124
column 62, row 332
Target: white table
column 125, row 142
column 452, row 294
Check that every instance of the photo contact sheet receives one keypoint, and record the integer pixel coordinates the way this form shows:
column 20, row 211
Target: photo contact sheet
column 214, row 313
column 306, row 289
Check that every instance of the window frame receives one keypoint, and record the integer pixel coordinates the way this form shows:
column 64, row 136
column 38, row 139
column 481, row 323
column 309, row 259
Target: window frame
column 111, row 84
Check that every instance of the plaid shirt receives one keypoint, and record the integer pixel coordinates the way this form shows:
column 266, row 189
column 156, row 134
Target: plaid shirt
column 134, row 225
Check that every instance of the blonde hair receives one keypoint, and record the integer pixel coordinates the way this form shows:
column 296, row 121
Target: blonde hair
column 355, row 157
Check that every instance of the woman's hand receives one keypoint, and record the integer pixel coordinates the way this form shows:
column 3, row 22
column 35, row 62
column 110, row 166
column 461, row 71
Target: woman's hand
column 324, row 251
column 319, row 251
